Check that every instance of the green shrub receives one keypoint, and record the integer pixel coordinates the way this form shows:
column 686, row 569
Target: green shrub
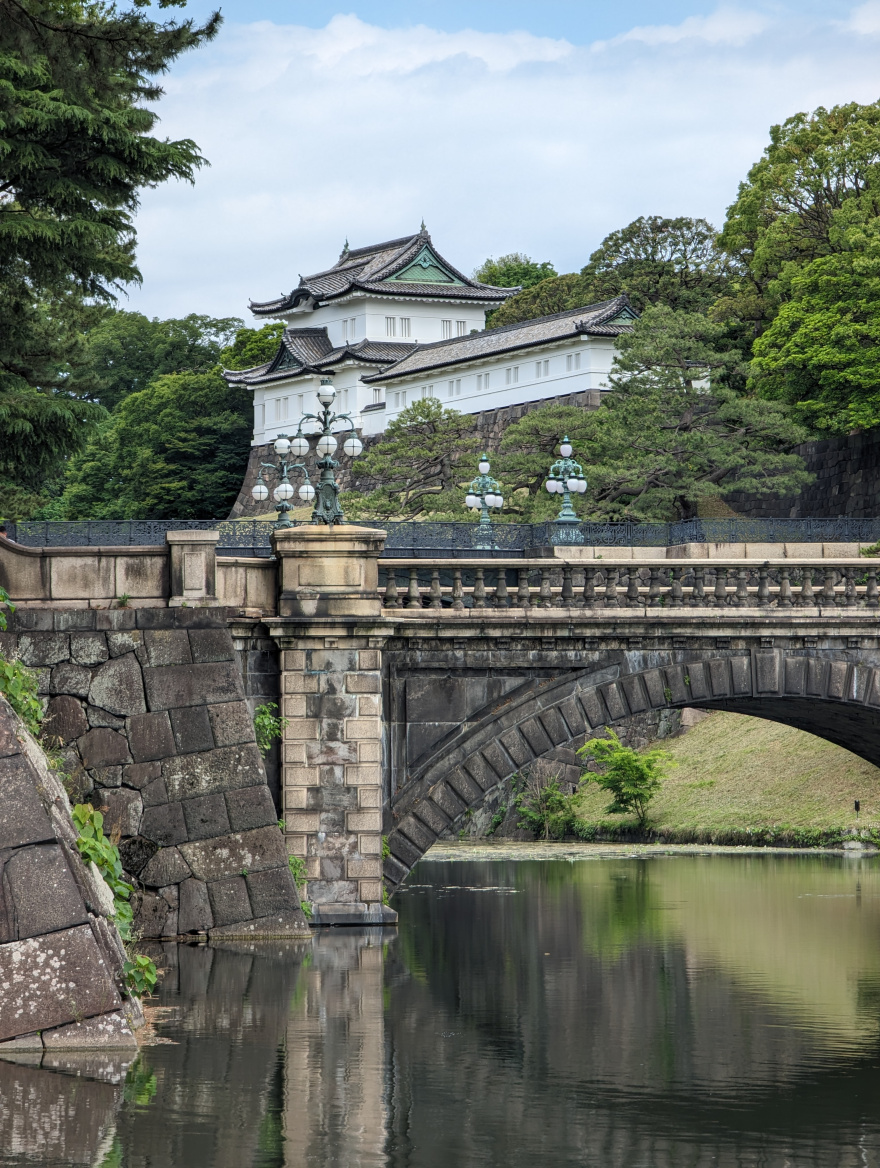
column 297, row 866
column 631, row 777
column 545, row 809
column 18, row 684
column 267, row 726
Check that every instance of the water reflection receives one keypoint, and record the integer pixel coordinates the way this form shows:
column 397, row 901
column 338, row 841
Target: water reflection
column 633, row 1012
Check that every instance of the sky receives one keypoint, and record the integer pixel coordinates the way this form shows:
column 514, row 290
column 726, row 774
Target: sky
column 507, row 125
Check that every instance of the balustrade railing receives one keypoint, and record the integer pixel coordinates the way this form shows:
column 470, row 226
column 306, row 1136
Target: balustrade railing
column 415, row 586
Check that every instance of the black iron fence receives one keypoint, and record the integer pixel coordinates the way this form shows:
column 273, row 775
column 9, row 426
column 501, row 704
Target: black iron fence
column 251, row 537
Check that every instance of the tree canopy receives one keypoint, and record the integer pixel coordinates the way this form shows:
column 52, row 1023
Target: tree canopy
column 654, row 260
column 76, row 149
column 125, row 351
column 419, row 466
column 513, row 270
column 672, row 434
column 174, row 450
column 821, row 353
column 819, row 176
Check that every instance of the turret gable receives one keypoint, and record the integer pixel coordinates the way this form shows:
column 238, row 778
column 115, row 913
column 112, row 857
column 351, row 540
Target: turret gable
column 410, row 266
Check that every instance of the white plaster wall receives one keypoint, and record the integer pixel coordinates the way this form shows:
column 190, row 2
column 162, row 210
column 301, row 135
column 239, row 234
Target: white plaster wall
column 370, row 313
column 470, row 394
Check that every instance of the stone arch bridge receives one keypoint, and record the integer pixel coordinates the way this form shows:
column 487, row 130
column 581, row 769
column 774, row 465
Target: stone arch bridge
column 412, row 688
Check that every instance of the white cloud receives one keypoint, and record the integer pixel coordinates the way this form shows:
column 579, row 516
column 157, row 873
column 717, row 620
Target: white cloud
column 502, row 142
column 865, row 19
column 726, row 26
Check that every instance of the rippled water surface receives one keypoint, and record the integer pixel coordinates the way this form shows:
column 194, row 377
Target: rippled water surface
column 674, row 1010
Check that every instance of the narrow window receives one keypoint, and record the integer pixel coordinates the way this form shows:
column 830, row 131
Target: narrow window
column 300, row 403
column 403, row 398
column 450, row 389
column 284, row 406
column 263, row 416
column 577, row 360
column 397, row 401
column 390, row 326
column 377, row 395
column 486, row 380
column 458, row 387
column 445, row 329
column 345, row 330
column 546, row 368
column 405, row 328
column 568, row 363
column 460, row 328
column 352, row 327
column 537, row 369
column 508, row 375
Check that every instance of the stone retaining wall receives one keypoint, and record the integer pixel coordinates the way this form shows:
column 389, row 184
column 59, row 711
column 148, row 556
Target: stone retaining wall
column 62, row 986
column 149, row 710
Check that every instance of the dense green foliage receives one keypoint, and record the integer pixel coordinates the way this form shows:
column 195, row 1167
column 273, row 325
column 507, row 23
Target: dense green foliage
column 672, row 435
column 18, row 684
column 421, row 463
column 95, row 846
column 819, row 176
column 545, row 809
column 267, row 726
column 252, row 346
column 125, row 351
column 821, row 353
column 76, row 148
column 674, row 262
column 175, row 450
column 514, row 271
column 631, row 777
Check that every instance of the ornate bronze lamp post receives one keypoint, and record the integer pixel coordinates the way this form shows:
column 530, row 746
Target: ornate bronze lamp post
column 326, row 495
column 566, row 478
column 484, row 494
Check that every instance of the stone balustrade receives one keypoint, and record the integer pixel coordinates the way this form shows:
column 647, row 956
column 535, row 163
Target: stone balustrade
column 417, row 586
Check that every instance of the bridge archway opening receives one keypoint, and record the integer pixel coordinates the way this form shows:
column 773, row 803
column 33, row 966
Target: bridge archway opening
column 833, row 697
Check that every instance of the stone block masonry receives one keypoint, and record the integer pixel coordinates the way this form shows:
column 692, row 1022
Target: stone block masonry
column 61, row 958
column 147, row 708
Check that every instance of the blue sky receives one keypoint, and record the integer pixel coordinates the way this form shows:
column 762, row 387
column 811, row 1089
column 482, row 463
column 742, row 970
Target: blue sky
column 536, row 127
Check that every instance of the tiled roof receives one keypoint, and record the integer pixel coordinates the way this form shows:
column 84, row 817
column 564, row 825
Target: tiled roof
column 367, row 269
column 593, row 320
column 308, row 350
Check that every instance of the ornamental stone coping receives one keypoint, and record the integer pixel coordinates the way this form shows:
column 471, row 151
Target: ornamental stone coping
column 51, row 980
column 43, row 893
column 192, row 685
column 109, row 1032
column 117, row 686
column 102, row 748
column 254, row 851
column 150, row 737
column 192, row 729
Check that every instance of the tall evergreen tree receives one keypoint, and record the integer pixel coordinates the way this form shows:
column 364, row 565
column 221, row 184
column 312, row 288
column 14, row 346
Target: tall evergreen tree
column 76, row 148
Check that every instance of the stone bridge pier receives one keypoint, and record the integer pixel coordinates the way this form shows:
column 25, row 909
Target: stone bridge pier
column 414, row 688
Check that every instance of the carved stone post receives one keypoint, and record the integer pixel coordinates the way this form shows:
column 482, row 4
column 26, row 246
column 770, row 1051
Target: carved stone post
column 330, row 630
column 193, row 568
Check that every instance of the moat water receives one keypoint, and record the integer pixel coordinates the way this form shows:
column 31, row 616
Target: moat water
column 600, row 1010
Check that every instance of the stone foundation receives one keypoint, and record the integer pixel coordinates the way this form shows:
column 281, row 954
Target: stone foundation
column 148, row 709
column 62, row 985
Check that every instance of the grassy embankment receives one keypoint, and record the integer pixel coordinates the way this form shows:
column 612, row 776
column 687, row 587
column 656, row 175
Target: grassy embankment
column 742, row 780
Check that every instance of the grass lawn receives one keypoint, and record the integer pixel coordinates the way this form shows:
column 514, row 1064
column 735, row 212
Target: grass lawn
column 736, row 772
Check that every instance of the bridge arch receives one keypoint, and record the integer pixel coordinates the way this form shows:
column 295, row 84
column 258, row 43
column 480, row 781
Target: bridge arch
column 834, row 695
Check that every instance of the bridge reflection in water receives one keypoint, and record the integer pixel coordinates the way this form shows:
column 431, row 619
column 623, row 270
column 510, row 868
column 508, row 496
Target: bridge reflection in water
column 659, row 1012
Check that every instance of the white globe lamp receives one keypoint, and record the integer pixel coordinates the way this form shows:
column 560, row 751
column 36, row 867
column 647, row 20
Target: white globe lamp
column 352, row 446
